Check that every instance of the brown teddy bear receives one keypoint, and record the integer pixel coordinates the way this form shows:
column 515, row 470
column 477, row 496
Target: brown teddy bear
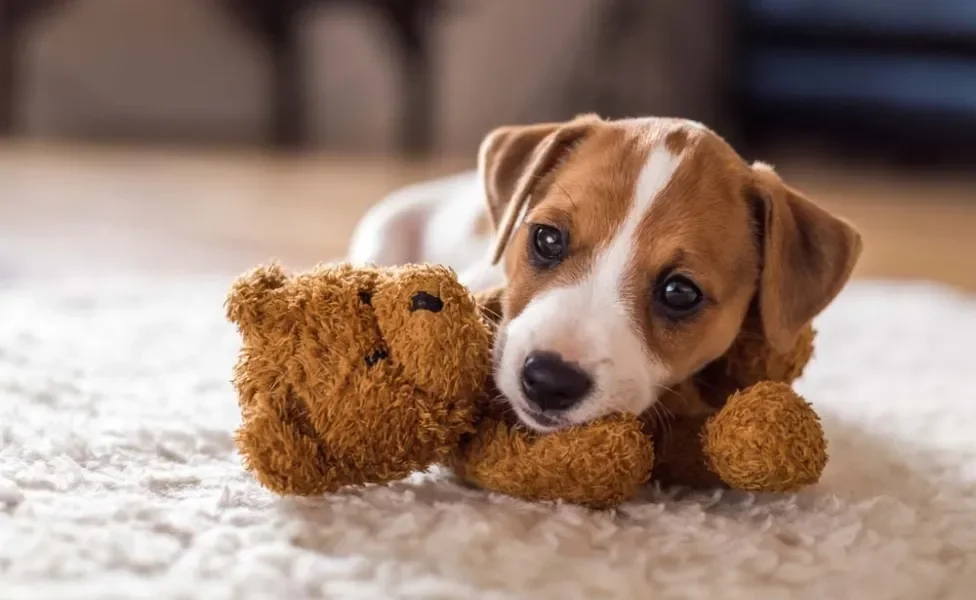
column 353, row 376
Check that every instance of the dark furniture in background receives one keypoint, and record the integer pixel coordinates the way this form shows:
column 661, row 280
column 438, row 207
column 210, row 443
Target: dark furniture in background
column 885, row 76
column 15, row 18
column 276, row 26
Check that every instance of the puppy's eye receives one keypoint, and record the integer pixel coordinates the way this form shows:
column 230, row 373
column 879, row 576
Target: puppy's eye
column 548, row 245
column 679, row 296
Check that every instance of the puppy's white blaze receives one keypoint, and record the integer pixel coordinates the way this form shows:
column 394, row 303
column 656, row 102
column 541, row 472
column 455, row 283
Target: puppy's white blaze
column 611, row 265
column 591, row 322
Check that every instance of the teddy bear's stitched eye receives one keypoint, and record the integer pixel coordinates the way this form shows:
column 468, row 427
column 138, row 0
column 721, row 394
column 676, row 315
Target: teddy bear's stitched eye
column 425, row 301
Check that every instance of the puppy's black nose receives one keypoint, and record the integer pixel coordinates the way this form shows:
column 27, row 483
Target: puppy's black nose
column 551, row 383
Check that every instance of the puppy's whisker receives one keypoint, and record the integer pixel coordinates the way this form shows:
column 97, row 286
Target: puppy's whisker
column 490, row 312
column 664, row 408
column 667, row 389
column 667, row 411
column 498, row 398
column 703, row 383
column 660, row 418
column 565, row 193
column 671, row 390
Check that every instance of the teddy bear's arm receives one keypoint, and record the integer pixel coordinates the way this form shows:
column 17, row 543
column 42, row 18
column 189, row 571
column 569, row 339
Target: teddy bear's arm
column 282, row 454
column 765, row 439
column 598, row 465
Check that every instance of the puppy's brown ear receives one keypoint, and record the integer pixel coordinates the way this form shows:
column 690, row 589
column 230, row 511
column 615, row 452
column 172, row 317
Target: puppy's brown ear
column 511, row 160
column 807, row 257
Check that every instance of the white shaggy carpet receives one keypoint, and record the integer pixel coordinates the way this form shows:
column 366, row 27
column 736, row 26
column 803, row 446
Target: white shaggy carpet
column 118, row 477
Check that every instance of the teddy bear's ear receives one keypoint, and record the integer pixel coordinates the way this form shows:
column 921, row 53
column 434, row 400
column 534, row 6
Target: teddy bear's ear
column 251, row 290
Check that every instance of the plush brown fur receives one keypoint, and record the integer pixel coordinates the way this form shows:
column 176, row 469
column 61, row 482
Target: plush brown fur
column 340, row 383
column 345, row 378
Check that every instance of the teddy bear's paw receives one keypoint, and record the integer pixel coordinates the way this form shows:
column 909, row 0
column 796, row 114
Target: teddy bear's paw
column 284, row 457
column 766, row 439
column 293, row 450
column 600, row 465
column 391, row 431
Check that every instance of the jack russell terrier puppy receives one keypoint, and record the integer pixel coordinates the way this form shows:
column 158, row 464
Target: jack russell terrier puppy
column 629, row 254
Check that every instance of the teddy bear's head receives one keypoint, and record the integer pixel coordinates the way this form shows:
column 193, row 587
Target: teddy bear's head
column 417, row 319
column 339, row 354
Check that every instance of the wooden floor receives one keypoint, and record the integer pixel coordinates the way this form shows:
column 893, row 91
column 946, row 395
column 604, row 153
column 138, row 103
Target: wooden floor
column 92, row 210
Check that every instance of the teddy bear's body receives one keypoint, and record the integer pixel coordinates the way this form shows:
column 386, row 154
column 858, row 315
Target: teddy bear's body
column 350, row 376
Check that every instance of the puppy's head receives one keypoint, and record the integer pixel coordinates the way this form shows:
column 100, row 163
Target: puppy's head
column 633, row 250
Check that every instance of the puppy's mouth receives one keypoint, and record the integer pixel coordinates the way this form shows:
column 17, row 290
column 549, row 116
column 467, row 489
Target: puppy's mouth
column 539, row 421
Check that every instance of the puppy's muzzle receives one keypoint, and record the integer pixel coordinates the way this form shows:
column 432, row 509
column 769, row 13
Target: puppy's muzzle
column 552, row 384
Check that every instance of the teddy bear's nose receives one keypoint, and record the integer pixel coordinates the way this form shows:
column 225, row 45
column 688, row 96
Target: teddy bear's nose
column 425, row 301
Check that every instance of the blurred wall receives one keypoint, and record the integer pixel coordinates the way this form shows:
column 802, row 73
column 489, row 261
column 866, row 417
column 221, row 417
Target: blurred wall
column 161, row 68
column 183, row 69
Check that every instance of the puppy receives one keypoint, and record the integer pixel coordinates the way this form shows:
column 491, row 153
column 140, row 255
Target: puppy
column 630, row 253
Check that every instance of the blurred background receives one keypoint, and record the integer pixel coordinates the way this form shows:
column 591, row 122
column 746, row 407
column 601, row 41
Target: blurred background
column 191, row 136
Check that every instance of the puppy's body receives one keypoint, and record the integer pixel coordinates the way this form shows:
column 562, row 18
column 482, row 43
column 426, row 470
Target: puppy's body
column 443, row 221
column 630, row 253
